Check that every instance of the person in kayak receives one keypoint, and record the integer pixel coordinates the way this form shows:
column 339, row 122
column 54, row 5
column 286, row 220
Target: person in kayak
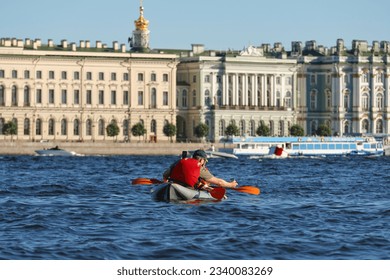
column 186, row 172
column 204, row 174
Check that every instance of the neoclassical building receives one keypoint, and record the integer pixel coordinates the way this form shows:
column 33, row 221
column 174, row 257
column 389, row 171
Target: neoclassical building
column 71, row 92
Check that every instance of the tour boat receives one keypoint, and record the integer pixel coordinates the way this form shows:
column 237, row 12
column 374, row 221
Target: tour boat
column 55, row 151
column 174, row 192
column 308, row 146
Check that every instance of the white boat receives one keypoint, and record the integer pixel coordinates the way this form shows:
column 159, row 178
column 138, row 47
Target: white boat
column 175, row 192
column 308, row 146
column 214, row 154
column 55, row 151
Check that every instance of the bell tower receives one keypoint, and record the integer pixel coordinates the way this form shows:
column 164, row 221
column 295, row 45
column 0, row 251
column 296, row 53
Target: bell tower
column 140, row 40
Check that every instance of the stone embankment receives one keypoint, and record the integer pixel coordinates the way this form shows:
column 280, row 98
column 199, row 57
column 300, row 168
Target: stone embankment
column 106, row 148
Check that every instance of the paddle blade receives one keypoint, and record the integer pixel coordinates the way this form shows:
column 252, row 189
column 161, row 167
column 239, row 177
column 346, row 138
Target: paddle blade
column 248, row 189
column 218, row 193
column 145, row 181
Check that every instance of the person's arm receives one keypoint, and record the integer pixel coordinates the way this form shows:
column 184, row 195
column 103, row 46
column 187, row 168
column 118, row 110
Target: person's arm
column 222, row 183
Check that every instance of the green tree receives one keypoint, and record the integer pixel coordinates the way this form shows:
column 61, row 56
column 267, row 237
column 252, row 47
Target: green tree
column 263, row 130
column 169, row 130
column 201, row 130
column 112, row 129
column 138, row 130
column 232, row 130
column 323, row 130
column 297, row 130
column 10, row 128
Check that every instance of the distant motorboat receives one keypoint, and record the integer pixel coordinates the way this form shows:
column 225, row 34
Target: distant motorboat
column 55, row 151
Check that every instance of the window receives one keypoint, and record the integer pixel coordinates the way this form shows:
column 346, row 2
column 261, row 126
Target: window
column 346, row 101
column 278, row 81
column 38, row 74
column 27, row 74
column 278, row 99
column 313, row 79
column 76, row 75
column 379, row 127
column 101, row 97
column 365, row 102
column 76, row 127
column 51, row 96
column 287, row 100
column 38, row 127
column 379, row 101
column 26, row 96
column 313, row 100
column 140, row 98
column 194, row 98
column 365, row 77
column 140, row 77
column 184, row 99
column 222, row 128
column 64, row 75
column 113, row 97
column 101, row 76
column 88, row 126
column 153, row 77
column 125, row 97
column 76, row 96
column 14, row 74
column 1, row 74
column 101, row 128
column 51, row 127
column 2, row 98
column 153, row 126
column 365, row 126
column 153, row 98
column 328, row 99
column 165, row 78
column 26, row 127
column 14, row 97
column 207, row 79
column 207, row 98
column 194, row 79
column 89, row 97
column 165, row 98
column 64, row 96
column 125, row 76
column 51, row 75
column 89, row 76
column 64, row 129
column 113, row 76
column 242, row 127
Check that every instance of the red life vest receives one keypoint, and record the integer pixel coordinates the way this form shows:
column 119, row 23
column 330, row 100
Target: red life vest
column 186, row 171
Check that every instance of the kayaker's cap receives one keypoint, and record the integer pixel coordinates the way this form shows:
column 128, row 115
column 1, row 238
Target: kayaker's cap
column 201, row 154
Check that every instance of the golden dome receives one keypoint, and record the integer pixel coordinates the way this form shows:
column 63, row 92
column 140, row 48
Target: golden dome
column 141, row 23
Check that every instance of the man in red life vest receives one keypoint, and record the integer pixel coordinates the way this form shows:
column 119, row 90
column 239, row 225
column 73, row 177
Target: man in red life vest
column 186, row 171
column 204, row 172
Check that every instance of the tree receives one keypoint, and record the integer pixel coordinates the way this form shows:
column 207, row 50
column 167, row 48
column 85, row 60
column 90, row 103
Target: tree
column 138, row 130
column 169, row 130
column 232, row 130
column 112, row 129
column 201, row 130
column 263, row 130
column 10, row 128
column 323, row 130
column 297, row 130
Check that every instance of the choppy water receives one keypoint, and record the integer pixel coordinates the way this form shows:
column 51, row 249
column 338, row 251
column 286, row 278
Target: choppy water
column 86, row 208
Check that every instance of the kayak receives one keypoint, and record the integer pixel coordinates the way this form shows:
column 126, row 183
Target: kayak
column 175, row 192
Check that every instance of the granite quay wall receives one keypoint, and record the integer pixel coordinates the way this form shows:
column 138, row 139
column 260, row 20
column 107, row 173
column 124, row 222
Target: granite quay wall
column 106, row 148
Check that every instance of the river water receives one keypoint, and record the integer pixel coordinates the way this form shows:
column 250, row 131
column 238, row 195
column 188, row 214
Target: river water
column 79, row 208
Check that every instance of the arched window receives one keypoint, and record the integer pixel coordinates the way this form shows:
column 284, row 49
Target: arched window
column 76, row 127
column 365, row 101
column 51, row 129
column 207, row 98
column 242, row 128
column 313, row 100
column 313, row 127
column 287, row 100
column 26, row 96
column 379, row 126
column 346, row 127
column 26, row 127
column 278, row 99
column 125, row 128
column 379, row 101
column 365, row 126
column 252, row 128
column 153, row 98
column 15, row 121
column 271, row 128
column 184, row 99
column 64, row 127
column 153, row 126
column 14, row 97
column 222, row 127
column 101, row 128
column 281, row 128
column 38, row 127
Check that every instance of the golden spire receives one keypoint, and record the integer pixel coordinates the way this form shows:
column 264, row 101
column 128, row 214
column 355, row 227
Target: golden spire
column 141, row 23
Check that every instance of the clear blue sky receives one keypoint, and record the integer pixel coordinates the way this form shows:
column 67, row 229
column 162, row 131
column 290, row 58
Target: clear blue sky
column 218, row 24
